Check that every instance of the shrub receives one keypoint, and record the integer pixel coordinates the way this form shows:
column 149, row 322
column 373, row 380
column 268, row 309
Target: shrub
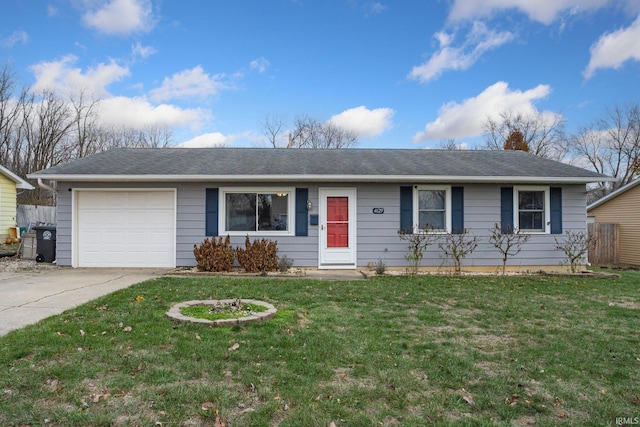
column 418, row 243
column 575, row 248
column 380, row 267
column 284, row 264
column 508, row 243
column 214, row 255
column 457, row 247
column 259, row 256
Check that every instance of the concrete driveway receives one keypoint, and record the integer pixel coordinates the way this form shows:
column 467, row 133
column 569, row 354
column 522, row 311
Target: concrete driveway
column 29, row 296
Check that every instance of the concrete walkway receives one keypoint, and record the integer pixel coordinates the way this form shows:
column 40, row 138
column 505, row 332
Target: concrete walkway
column 30, row 296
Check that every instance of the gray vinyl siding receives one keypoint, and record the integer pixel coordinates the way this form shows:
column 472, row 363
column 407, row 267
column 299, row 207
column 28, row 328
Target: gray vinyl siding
column 377, row 236
column 63, row 225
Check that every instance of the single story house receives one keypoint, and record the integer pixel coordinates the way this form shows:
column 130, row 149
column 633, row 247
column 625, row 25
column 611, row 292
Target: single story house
column 622, row 207
column 10, row 183
column 325, row 208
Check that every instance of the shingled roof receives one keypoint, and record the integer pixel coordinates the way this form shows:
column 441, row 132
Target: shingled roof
column 269, row 164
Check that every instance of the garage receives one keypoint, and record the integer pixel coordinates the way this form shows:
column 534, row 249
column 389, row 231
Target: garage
column 125, row 228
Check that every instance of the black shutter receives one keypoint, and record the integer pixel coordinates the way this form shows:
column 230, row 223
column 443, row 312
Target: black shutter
column 302, row 223
column 406, row 209
column 457, row 210
column 556, row 210
column 211, row 221
column 506, row 210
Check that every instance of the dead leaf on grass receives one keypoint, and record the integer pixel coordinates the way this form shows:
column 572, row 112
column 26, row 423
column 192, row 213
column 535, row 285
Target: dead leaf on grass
column 96, row 397
column 234, row 347
column 207, row 405
column 219, row 421
column 512, row 400
column 128, row 329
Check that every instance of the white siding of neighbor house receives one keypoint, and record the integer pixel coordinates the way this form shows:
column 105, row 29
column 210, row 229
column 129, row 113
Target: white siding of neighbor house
column 377, row 233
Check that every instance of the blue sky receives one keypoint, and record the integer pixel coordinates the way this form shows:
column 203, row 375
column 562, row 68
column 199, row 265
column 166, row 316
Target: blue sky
column 401, row 74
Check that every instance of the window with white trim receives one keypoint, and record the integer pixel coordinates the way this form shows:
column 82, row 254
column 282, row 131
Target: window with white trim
column 257, row 211
column 531, row 208
column 432, row 208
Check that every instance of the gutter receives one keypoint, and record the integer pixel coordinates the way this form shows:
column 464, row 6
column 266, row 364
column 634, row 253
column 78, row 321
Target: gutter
column 322, row 178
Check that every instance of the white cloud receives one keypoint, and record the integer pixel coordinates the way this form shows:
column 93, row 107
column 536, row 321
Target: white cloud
column 363, row 122
column 51, row 10
column 545, row 11
column 466, row 119
column 208, row 140
column 260, row 64
column 139, row 51
column 15, row 38
column 189, row 83
column 138, row 113
column 614, row 49
column 479, row 40
column 61, row 75
column 120, row 17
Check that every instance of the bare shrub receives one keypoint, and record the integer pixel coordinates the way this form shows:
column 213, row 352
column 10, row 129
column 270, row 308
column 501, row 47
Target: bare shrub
column 418, row 243
column 457, row 247
column 575, row 247
column 508, row 243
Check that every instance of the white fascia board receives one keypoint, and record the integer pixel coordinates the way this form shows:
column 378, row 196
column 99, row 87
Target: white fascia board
column 20, row 183
column 320, row 178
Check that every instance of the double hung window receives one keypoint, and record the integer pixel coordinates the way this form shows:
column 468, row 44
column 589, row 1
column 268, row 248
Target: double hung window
column 532, row 209
column 433, row 208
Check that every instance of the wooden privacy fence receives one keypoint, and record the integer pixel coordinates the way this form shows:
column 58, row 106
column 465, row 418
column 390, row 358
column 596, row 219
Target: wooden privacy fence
column 32, row 214
column 603, row 243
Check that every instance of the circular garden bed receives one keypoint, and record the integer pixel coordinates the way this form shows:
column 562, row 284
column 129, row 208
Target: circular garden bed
column 222, row 312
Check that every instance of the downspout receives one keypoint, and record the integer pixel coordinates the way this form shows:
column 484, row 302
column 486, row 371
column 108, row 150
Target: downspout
column 45, row 186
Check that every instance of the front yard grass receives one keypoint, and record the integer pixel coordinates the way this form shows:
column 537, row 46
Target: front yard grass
column 405, row 351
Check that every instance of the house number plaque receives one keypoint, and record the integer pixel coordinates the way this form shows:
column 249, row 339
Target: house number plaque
column 378, row 211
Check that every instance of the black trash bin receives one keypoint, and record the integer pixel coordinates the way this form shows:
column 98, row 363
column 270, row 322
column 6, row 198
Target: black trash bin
column 45, row 243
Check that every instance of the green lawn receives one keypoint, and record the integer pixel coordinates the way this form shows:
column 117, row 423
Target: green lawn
column 391, row 351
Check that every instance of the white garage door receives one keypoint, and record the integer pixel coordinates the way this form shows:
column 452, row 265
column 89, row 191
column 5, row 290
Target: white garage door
column 125, row 228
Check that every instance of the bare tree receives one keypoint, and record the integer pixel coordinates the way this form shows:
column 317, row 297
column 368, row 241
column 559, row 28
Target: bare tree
column 48, row 123
column 85, row 124
column 449, row 144
column 127, row 137
column 12, row 105
column 310, row 133
column 273, row 126
column 611, row 145
column 542, row 133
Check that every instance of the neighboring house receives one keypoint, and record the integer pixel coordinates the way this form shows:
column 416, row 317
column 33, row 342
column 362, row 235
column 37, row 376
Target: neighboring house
column 10, row 183
column 325, row 208
column 622, row 207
